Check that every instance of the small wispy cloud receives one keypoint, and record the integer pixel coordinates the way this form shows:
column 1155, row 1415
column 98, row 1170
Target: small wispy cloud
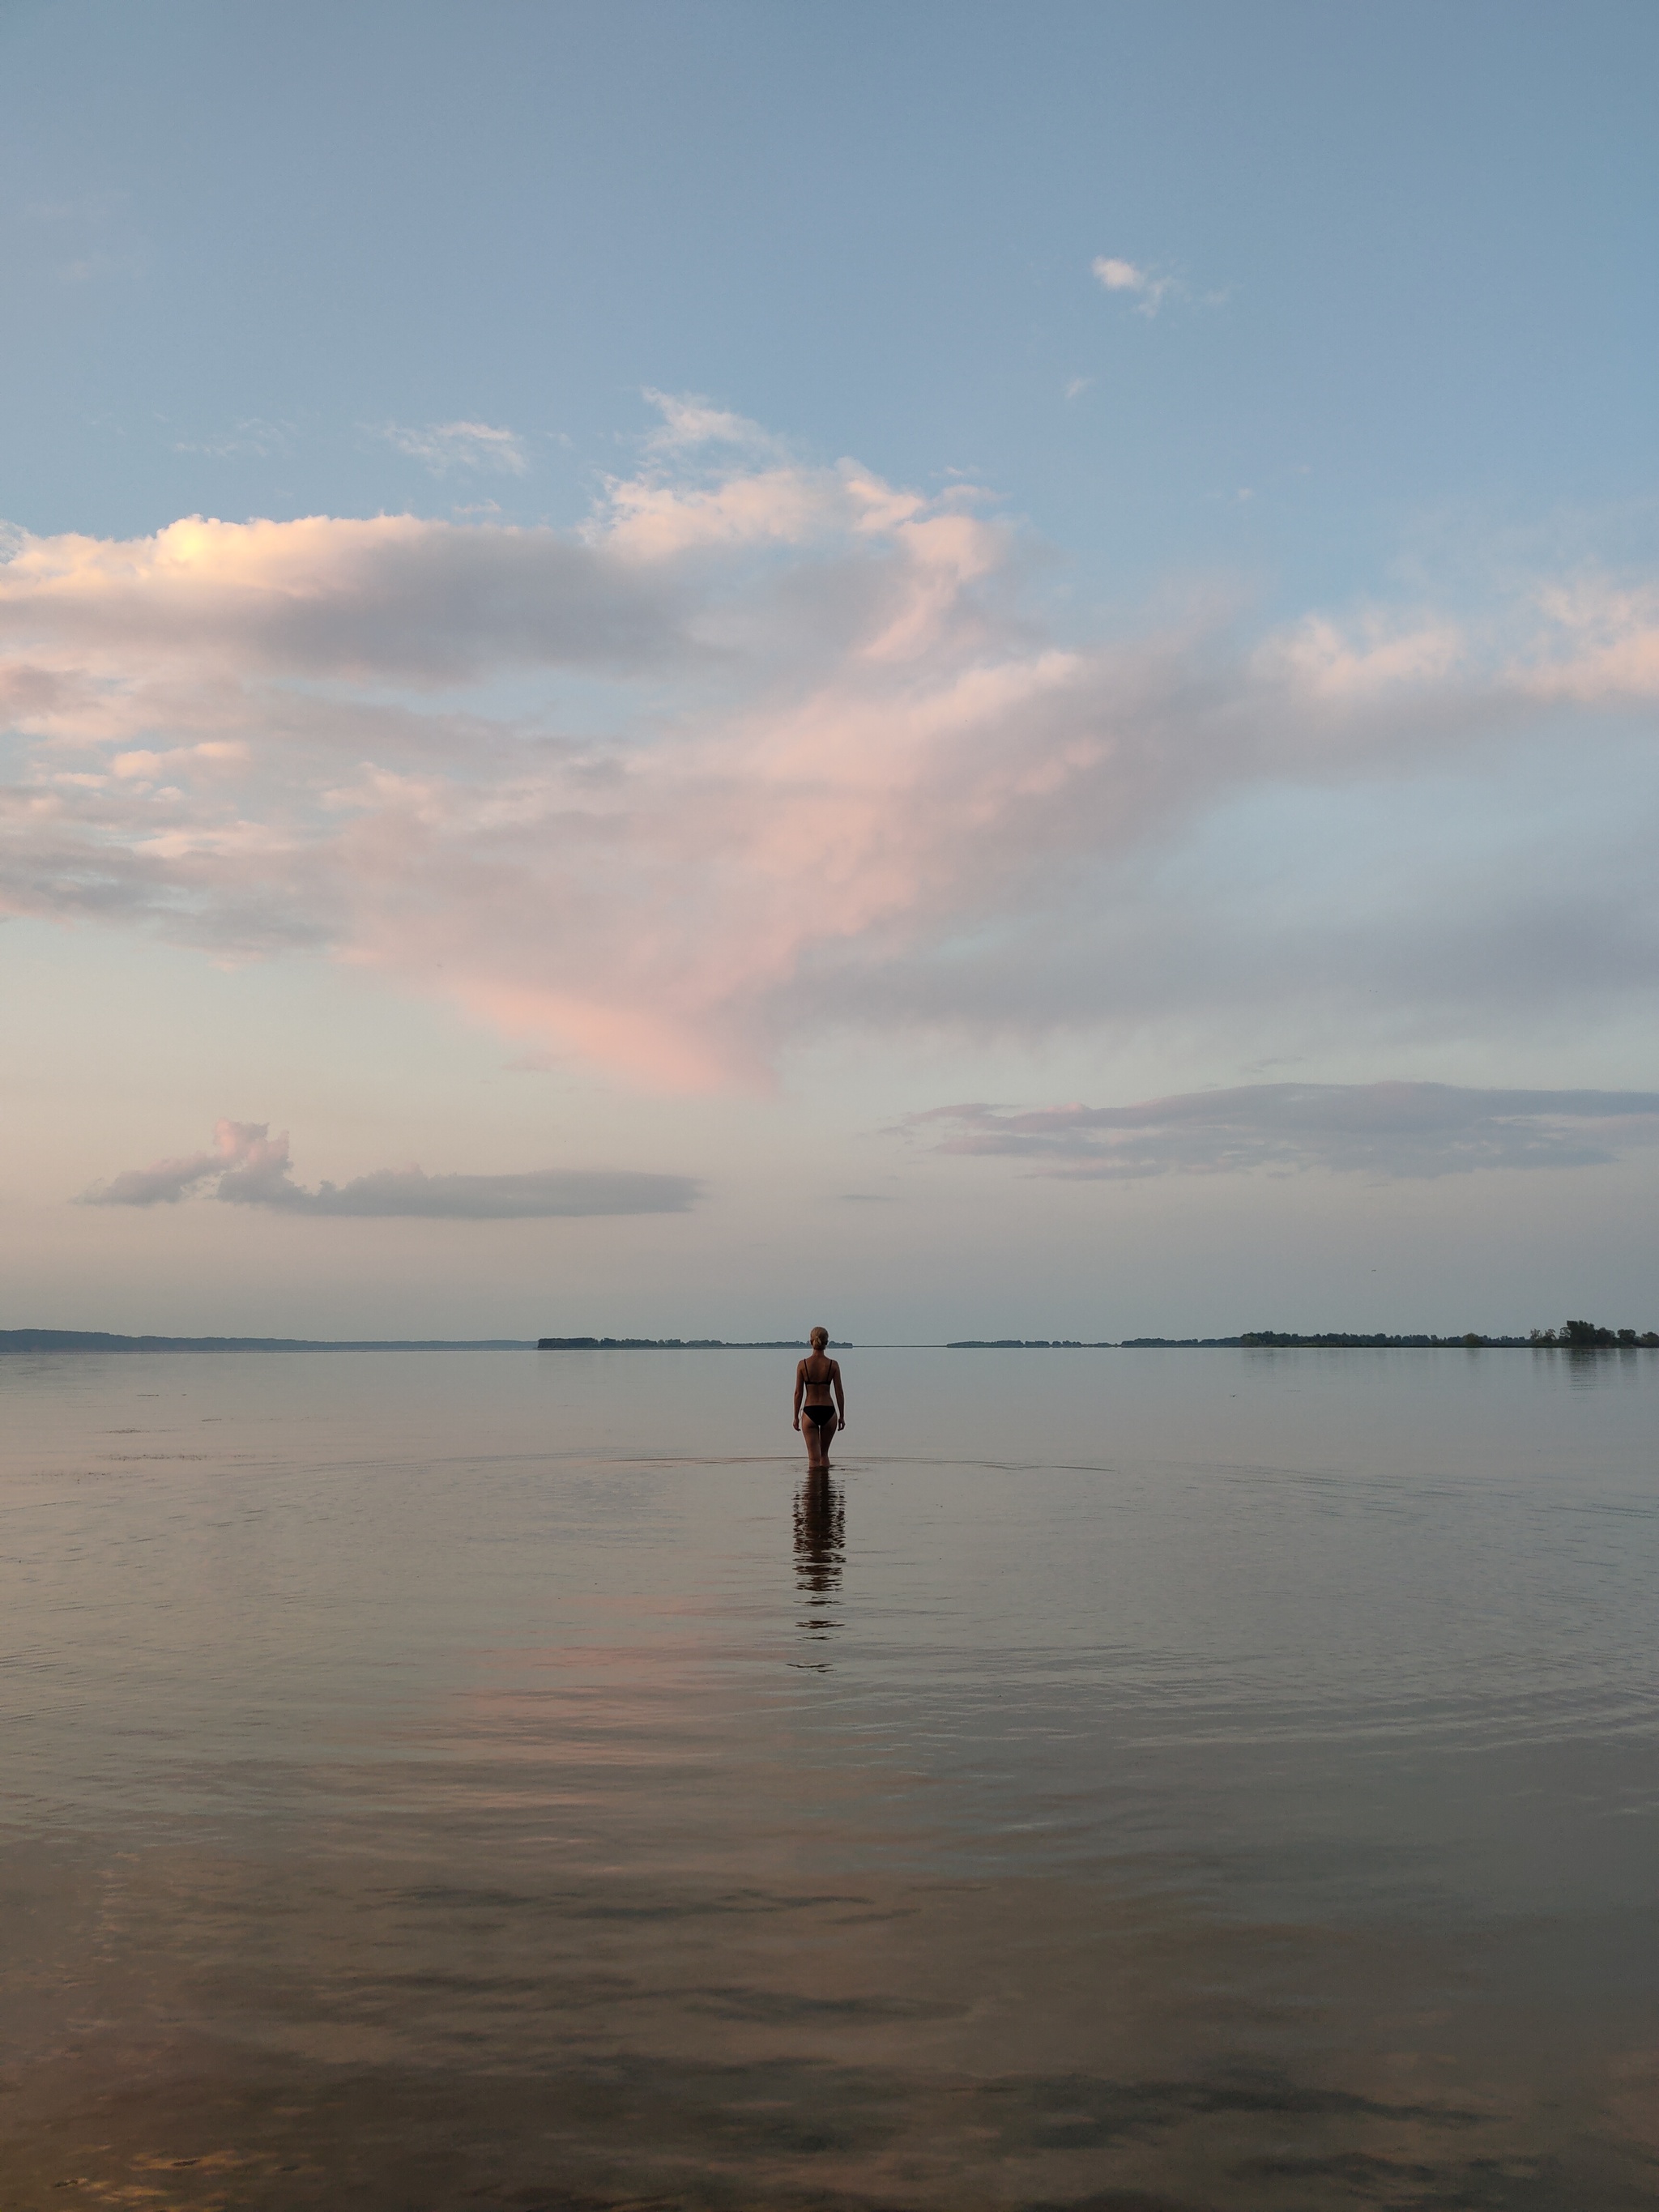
column 1078, row 386
column 689, row 421
column 247, row 1166
column 441, row 446
column 1148, row 288
column 1394, row 1131
column 253, row 439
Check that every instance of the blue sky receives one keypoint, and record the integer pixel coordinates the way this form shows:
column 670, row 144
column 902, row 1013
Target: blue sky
column 1272, row 390
column 1416, row 246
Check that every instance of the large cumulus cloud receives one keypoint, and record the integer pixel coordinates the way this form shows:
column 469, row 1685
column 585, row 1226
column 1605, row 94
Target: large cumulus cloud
column 766, row 743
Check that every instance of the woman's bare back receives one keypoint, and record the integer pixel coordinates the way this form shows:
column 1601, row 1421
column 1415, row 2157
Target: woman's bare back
column 817, row 1373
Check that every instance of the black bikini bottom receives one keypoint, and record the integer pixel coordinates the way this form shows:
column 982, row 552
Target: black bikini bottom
column 822, row 1417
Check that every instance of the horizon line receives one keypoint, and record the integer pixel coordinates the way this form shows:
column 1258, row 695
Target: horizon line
column 22, row 1341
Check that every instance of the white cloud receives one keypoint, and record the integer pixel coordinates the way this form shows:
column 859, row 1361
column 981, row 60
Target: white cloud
column 1120, row 276
column 1386, row 655
column 180, row 624
column 1148, row 287
column 1386, row 1130
column 248, row 1166
column 691, row 422
column 441, row 446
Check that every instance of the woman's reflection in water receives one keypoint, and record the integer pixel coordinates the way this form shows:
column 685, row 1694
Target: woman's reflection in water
column 820, row 1548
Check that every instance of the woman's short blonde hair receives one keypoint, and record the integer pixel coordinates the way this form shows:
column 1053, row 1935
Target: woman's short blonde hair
column 820, row 1335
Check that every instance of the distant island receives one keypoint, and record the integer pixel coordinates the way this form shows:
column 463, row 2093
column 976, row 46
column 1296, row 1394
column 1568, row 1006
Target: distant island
column 664, row 1343
column 98, row 1340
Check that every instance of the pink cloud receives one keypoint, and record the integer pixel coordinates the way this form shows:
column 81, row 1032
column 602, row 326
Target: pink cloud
column 758, row 740
column 1319, row 655
column 1601, row 643
column 240, row 1148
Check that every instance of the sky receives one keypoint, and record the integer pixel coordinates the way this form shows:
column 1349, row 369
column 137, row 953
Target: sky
column 959, row 670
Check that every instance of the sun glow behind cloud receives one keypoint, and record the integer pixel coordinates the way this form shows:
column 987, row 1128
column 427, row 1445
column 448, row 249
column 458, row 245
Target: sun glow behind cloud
column 848, row 762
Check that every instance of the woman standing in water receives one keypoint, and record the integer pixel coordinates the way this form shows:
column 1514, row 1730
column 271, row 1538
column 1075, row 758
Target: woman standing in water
column 815, row 1378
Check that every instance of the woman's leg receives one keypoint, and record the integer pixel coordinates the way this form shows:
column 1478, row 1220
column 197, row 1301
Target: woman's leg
column 816, row 1438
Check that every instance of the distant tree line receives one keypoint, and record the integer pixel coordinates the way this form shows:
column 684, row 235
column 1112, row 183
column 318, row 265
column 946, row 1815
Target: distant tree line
column 1585, row 1336
column 1571, row 1336
column 1348, row 1341
column 666, row 1344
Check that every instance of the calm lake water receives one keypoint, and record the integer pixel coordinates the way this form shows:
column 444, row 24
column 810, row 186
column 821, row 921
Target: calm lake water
column 1138, row 1780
